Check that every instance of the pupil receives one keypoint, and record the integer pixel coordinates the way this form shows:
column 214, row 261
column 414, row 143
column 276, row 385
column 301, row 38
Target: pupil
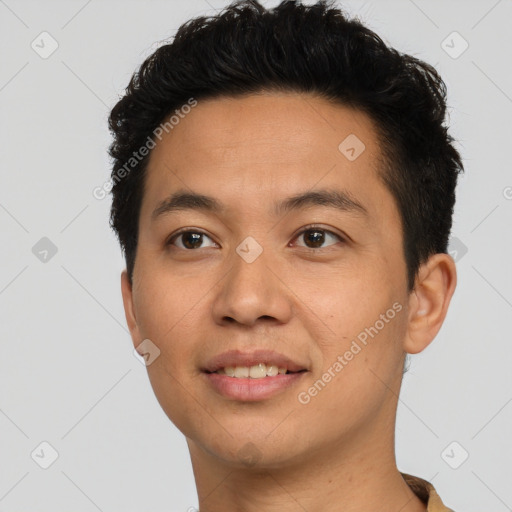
column 195, row 237
column 313, row 234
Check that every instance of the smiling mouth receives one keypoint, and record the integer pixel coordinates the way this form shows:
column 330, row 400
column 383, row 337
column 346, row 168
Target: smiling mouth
column 252, row 378
column 258, row 371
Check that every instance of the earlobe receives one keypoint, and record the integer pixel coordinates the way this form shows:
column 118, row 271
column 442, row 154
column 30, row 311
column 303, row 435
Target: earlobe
column 429, row 301
column 129, row 310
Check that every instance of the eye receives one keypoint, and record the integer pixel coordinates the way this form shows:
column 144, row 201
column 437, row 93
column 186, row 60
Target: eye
column 190, row 239
column 316, row 236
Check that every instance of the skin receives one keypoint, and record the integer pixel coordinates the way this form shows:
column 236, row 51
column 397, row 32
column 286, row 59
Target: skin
column 337, row 451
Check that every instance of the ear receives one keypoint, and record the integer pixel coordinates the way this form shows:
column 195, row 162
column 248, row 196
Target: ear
column 129, row 310
column 429, row 301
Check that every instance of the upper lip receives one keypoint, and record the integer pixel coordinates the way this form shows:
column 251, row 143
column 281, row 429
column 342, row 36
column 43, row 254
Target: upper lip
column 242, row 358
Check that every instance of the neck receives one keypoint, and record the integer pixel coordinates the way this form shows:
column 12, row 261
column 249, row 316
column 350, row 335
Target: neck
column 353, row 477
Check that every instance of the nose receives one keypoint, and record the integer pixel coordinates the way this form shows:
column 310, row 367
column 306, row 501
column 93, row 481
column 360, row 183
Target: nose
column 253, row 292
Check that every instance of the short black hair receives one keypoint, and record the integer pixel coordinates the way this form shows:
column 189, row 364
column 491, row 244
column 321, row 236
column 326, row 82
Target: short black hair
column 292, row 47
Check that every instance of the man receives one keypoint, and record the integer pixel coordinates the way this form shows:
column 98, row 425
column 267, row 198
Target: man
column 283, row 190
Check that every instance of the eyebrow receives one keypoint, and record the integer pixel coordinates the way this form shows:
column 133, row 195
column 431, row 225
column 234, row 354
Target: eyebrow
column 340, row 200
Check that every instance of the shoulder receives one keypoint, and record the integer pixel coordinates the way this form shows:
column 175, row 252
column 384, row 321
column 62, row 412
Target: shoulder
column 426, row 493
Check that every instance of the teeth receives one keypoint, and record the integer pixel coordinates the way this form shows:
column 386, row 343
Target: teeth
column 241, row 372
column 272, row 371
column 258, row 371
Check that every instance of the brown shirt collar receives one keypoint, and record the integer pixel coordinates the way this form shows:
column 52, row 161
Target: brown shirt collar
column 426, row 493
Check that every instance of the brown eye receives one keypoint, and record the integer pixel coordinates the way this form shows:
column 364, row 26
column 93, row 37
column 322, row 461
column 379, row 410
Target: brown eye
column 315, row 237
column 189, row 239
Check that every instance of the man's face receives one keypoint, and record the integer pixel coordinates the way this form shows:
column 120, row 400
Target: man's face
column 247, row 278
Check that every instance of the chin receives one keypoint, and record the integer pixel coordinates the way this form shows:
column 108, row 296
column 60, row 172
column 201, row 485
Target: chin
column 252, row 451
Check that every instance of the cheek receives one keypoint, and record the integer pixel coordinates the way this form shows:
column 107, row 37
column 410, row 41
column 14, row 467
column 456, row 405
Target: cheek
column 167, row 315
column 342, row 304
column 362, row 346
column 356, row 380
column 164, row 303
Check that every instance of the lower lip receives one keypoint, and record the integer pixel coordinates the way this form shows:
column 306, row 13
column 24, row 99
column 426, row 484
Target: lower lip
column 252, row 390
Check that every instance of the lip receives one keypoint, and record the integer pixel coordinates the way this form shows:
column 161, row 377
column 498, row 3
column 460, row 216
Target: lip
column 247, row 389
column 240, row 358
column 252, row 390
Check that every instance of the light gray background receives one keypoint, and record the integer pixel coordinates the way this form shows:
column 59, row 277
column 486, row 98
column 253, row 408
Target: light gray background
column 68, row 375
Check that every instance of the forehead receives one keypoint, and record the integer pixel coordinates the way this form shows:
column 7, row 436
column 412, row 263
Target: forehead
column 252, row 149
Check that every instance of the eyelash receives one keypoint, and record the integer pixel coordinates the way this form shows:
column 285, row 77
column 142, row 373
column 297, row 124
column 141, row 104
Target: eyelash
column 311, row 227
